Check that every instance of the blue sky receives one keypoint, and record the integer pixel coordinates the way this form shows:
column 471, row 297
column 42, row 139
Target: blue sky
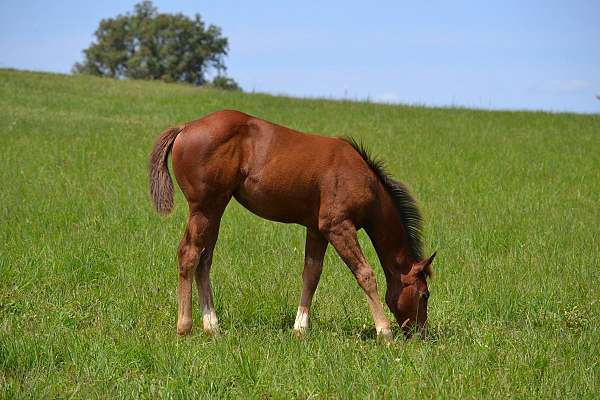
column 540, row 55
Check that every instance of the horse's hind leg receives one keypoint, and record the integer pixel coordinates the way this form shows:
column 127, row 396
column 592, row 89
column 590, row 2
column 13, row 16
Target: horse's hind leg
column 313, row 265
column 209, row 316
column 195, row 255
column 343, row 237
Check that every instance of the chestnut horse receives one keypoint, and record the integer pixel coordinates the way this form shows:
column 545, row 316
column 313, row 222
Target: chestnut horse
column 329, row 185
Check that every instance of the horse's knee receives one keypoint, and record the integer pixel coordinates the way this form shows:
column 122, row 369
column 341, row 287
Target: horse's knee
column 366, row 278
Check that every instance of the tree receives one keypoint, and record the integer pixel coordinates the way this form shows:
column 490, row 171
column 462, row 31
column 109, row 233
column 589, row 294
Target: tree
column 152, row 45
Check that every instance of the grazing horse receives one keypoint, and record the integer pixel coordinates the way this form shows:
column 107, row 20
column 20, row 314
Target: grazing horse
column 329, row 185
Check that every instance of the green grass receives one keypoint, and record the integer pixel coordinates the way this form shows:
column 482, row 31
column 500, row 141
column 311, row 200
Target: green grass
column 88, row 271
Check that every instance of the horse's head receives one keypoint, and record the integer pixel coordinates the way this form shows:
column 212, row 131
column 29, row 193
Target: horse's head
column 407, row 299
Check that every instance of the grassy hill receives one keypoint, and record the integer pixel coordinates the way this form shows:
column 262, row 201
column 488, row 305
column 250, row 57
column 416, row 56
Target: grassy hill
column 88, row 272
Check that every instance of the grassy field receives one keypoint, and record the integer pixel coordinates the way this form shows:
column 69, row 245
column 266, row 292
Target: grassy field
column 88, row 270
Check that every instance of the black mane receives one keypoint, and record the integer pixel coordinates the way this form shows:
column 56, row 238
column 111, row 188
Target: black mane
column 405, row 204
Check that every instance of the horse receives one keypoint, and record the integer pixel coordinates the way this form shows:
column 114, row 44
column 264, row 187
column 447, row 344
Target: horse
column 331, row 186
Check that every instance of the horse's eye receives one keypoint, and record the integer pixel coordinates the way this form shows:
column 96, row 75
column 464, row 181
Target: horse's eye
column 425, row 295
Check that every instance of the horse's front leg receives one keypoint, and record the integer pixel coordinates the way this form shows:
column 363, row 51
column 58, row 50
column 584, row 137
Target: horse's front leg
column 343, row 238
column 314, row 252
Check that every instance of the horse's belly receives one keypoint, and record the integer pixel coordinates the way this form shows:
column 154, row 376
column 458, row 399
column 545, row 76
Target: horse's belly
column 281, row 203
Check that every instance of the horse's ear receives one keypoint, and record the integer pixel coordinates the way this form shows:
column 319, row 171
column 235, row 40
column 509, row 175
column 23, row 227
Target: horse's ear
column 424, row 266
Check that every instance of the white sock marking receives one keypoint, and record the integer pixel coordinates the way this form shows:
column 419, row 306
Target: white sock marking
column 301, row 322
column 209, row 320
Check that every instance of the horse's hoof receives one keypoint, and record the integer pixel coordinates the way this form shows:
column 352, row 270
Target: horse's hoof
column 184, row 328
column 385, row 336
column 300, row 333
column 213, row 332
column 184, row 332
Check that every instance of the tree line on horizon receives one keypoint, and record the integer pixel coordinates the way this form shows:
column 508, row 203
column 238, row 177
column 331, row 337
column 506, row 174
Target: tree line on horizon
column 150, row 45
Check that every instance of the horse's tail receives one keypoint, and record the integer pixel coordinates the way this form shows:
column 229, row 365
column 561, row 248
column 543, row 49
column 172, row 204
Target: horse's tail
column 161, row 184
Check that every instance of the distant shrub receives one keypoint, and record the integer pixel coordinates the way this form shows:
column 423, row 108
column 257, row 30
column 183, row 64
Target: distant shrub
column 158, row 46
column 226, row 83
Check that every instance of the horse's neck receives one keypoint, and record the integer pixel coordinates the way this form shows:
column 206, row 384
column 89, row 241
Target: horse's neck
column 389, row 238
